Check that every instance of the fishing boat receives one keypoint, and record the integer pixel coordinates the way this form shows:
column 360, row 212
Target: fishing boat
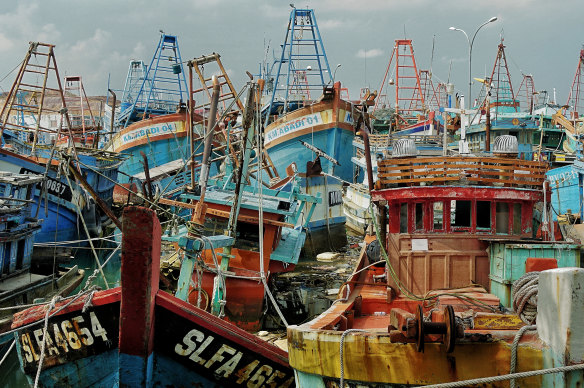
column 500, row 113
column 413, row 110
column 37, row 152
column 381, row 142
column 307, row 122
column 239, row 234
column 138, row 335
column 21, row 284
column 423, row 305
column 159, row 142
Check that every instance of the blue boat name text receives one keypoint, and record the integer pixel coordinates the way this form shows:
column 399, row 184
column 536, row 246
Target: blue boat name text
column 293, row 126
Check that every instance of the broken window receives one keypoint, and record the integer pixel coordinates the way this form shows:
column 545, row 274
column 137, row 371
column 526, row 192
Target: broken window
column 419, row 216
column 460, row 214
column 483, row 215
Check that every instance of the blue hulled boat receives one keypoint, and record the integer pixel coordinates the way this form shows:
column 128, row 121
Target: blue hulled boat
column 308, row 126
column 19, row 284
column 39, row 138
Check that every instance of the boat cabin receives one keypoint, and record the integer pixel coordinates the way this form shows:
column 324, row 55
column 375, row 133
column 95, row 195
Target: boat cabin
column 441, row 213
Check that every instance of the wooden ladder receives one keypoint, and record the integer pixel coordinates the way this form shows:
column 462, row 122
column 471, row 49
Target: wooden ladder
column 27, row 82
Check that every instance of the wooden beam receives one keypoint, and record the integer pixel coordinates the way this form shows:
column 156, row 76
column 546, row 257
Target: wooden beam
column 225, row 214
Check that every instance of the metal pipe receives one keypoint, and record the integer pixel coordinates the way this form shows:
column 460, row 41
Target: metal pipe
column 190, row 131
column 365, row 133
column 212, row 119
column 113, row 110
column 488, row 123
column 147, row 176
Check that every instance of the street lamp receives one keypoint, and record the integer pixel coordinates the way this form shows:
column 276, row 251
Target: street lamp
column 335, row 73
column 470, row 43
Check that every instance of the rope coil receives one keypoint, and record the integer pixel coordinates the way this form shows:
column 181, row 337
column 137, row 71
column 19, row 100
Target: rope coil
column 524, row 291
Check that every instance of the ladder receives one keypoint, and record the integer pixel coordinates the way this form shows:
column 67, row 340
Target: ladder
column 428, row 93
column 163, row 88
column 227, row 91
column 228, row 98
column 38, row 80
column 502, row 96
column 526, row 93
column 303, row 69
column 575, row 100
column 135, row 77
column 409, row 98
column 78, row 107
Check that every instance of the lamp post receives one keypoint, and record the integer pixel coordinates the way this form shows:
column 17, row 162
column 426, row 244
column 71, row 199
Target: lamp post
column 470, row 43
column 335, row 73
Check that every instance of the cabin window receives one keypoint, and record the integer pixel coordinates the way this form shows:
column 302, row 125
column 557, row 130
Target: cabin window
column 247, row 236
column 483, row 215
column 438, row 215
column 403, row 218
column 460, row 212
column 516, row 218
column 502, row 218
column 419, row 216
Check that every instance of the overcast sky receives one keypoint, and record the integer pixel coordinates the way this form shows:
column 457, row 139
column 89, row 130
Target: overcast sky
column 97, row 38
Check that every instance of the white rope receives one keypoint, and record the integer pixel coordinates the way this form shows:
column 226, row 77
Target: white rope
column 87, row 233
column 342, row 342
column 22, row 306
column 8, row 352
column 261, row 219
column 43, row 345
column 519, row 375
column 524, row 291
column 88, row 301
column 514, row 350
column 73, row 299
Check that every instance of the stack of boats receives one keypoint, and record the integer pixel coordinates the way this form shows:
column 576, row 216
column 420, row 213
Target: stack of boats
column 463, row 263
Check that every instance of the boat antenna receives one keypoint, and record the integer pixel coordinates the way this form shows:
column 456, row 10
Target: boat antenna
column 432, row 57
column 449, row 71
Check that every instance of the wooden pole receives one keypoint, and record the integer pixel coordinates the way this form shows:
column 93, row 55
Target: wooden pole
column 141, row 233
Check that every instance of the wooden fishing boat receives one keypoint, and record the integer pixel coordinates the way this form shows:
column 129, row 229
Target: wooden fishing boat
column 138, row 335
column 160, row 144
column 29, row 131
column 417, row 309
column 307, row 121
column 238, row 234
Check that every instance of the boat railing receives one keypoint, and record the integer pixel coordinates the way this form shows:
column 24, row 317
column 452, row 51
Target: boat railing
column 386, row 140
column 479, row 171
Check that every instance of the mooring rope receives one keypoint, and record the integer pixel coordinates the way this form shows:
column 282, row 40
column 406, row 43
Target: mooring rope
column 51, row 306
column 8, row 352
column 518, row 375
column 96, row 257
column 261, row 218
column 341, row 343
column 514, row 347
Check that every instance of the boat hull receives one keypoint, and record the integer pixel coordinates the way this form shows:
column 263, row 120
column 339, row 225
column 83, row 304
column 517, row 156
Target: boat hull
column 141, row 336
column 164, row 141
column 328, row 126
column 59, row 210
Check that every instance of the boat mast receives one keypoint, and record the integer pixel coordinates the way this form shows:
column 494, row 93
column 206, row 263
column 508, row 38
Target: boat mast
column 249, row 123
